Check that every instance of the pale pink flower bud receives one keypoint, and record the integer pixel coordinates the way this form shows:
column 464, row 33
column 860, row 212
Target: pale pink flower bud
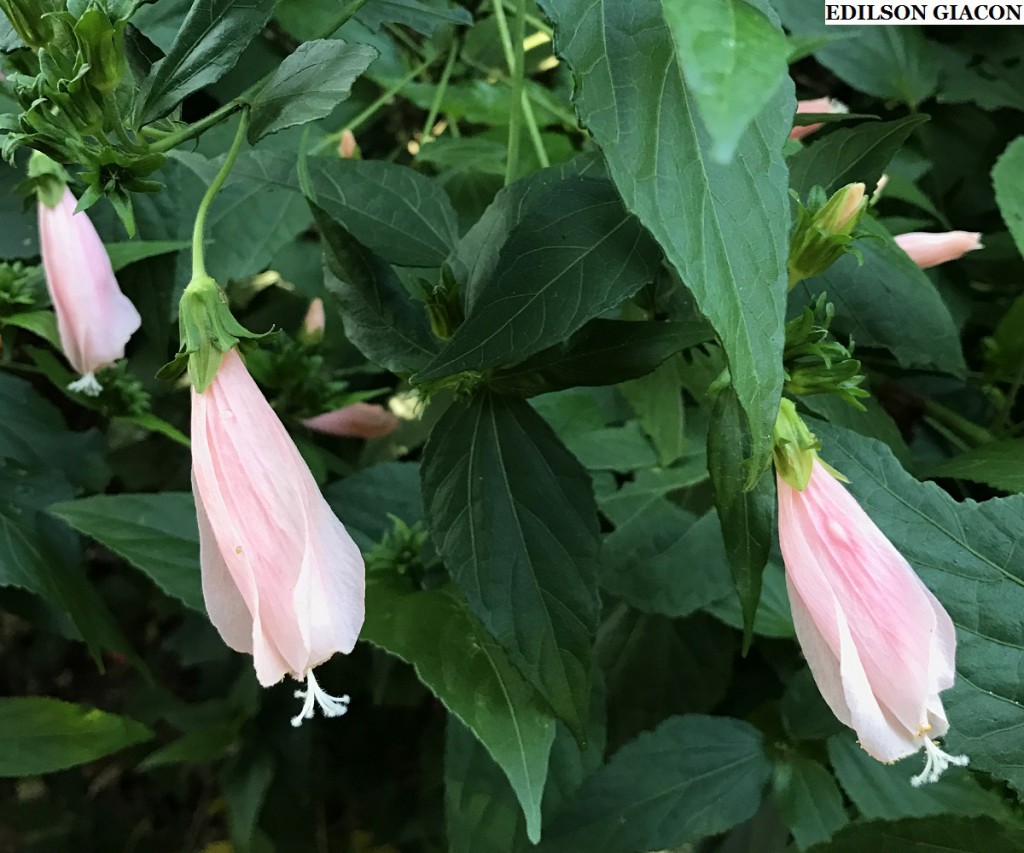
column 815, row 105
column 347, row 147
column 282, row 579
column 315, row 321
column 879, row 644
column 928, row 249
column 359, row 420
column 94, row 318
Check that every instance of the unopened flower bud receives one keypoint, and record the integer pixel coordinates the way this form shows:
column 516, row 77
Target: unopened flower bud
column 312, row 331
column 822, row 235
column 347, row 147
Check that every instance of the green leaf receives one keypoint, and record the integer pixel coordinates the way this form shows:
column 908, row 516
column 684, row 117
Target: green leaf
column 968, row 555
column 212, row 37
column 1000, row 465
column 42, row 323
column 935, row 835
column 42, row 735
column 874, row 296
column 152, row 423
column 1009, row 193
column 307, row 85
column 883, row 791
column 578, row 255
column 808, row 800
column 463, row 666
column 155, row 533
column 658, row 154
column 692, row 777
column 205, row 745
column 747, row 516
column 602, row 352
column 399, row 214
column 893, row 63
column 850, row 154
column 733, row 57
column 244, row 780
column 657, row 399
column 773, row 616
column 131, row 251
column 364, row 500
column 513, row 515
column 424, row 17
column 379, row 315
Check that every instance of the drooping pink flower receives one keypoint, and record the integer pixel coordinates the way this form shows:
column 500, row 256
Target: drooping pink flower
column 929, row 249
column 94, row 318
column 358, row 420
column 879, row 644
column 282, row 579
column 815, row 105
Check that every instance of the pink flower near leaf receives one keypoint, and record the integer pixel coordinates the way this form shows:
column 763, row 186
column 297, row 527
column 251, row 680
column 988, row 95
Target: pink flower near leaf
column 359, row 420
column 94, row 318
column 929, row 249
column 816, row 105
column 282, row 579
column 315, row 321
column 879, row 644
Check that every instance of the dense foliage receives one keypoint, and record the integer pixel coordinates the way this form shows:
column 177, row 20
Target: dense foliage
column 574, row 250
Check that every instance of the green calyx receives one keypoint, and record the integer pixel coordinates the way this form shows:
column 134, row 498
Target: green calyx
column 795, row 448
column 824, row 231
column 208, row 330
column 46, row 178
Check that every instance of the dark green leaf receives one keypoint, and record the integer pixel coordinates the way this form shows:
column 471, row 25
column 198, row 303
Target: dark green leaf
column 19, row 238
column 307, row 85
column 459, row 661
column 873, row 298
column 936, row 835
column 364, row 500
column 883, row 791
column 424, row 16
column 602, row 352
column 1000, row 465
column 850, row 154
column 577, row 256
column 691, row 777
column 379, row 315
column 212, row 37
column 124, row 254
column 244, row 780
column 747, row 517
column 1009, row 193
column 42, row 323
column 658, row 155
column 969, row 556
column 41, row 735
column 773, row 615
column 733, row 57
column 155, row 533
column 513, row 515
column 657, row 399
column 808, row 800
column 401, row 215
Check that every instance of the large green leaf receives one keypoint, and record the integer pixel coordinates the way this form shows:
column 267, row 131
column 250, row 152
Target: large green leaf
column 1000, row 465
column 578, row 255
column 692, row 777
column 724, row 228
column 935, row 835
column 460, row 662
column 657, row 399
column 212, row 37
column 1009, row 193
column 424, row 16
column 365, row 500
column 971, row 555
column 307, row 85
column 851, row 154
column 379, row 315
column 403, row 216
column 513, row 515
column 156, row 533
column 42, row 735
column 733, row 59
column 602, row 352
column 875, row 295
column 808, row 800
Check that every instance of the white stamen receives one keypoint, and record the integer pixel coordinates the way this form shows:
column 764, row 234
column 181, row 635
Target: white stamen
column 86, row 385
column 935, row 763
column 330, row 706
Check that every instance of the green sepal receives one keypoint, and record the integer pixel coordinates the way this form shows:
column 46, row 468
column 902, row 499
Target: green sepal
column 795, row 448
column 46, row 178
column 30, row 19
column 443, row 303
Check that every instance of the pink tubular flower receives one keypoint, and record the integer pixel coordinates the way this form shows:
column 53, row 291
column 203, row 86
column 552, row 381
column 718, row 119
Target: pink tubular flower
column 359, row 420
column 929, row 249
column 314, row 322
column 94, row 318
column 879, row 644
column 816, row 105
column 282, row 578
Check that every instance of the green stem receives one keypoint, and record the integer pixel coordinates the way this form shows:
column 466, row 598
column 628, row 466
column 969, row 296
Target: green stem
column 1002, row 420
column 439, row 92
column 506, row 39
column 968, row 429
column 532, row 20
column 198, row 260
column 517, row 70
column 535, row 137
column 173, row 140
column 344, row 17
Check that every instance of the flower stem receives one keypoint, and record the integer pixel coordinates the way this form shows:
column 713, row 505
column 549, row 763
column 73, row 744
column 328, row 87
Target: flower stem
column 974, row 434
column 173, row 140
column 198, row 260
column 442, row 87
column 512, row 44
column 344, row 17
